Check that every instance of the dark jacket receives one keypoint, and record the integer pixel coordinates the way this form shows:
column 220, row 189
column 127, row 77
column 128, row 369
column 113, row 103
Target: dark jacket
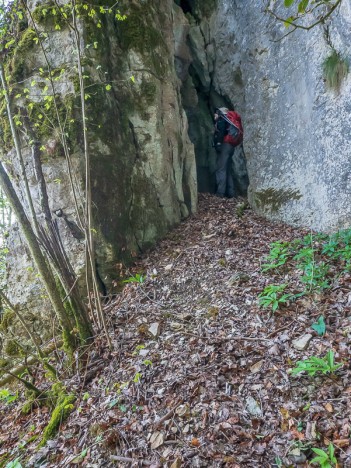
column 220, row 132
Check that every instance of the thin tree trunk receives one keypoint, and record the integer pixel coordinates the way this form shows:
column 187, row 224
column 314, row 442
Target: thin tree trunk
column 88, row 202
column 46, row 274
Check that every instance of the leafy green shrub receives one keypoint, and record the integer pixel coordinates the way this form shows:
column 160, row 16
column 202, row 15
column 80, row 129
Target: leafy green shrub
column 277, row 256
column 314, row 365
column 335, row 69
column 272, row 296
column 321, row 259
column 315, row 275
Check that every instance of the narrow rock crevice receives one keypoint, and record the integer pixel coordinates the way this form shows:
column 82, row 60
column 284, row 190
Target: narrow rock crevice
column 195, row 64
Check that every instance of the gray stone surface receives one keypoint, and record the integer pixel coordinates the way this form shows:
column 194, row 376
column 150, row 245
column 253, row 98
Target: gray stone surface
column 297, row 131
column 301, row 343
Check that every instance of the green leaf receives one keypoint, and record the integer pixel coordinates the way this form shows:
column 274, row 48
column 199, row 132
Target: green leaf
column 8, row 44
column 321, row 461
column 113, row 403
column 331, row 453
column 288, row 3
column 303, row 5
column 14, row 464
column 319, row 326
column 288, row 21
column 320, row 452
column 108, row 87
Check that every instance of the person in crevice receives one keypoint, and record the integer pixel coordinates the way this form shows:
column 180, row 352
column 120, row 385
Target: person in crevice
column 228, row 134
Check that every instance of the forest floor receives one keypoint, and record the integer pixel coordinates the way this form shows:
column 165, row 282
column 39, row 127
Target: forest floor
column 199, row 376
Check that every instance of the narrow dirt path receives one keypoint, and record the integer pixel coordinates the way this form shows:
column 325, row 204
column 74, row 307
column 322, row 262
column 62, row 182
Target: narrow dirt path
column 200, row 376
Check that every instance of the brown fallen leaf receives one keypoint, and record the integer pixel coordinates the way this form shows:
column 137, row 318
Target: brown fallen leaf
column 177, row 463
column 297, row 435
column 195, row 442
column 256, row 367
column 329, row 407
column 341, row 442
column 156, row 440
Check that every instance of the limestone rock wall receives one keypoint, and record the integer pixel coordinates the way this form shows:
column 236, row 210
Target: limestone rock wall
column 297, row 130
column 142, row 162
column 143, row 166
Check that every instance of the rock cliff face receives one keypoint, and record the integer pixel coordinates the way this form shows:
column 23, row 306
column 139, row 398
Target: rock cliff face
column 142, row 161
column 162, row 72
column 298, row 137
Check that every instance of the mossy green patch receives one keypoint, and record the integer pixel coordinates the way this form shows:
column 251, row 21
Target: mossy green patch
column 63, row 409
column 273, row 199
column 335, row 68
column 148, row 91
column 3, row 363
column 11, row 348
column 141, row 33
column 49, row 14
column 7, row 320
column 15, row 64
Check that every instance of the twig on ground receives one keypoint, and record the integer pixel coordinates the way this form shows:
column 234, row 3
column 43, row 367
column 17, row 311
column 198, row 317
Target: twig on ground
column 132, row 460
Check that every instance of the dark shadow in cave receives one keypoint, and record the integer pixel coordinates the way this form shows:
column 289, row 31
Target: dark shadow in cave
column 185, row 6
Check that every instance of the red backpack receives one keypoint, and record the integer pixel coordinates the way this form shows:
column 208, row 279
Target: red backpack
column 235, row 128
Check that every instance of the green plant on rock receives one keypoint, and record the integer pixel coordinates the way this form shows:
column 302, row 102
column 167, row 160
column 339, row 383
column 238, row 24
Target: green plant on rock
column 335, row 69
column 325, row 459
column 272, row 296
column 315, row 365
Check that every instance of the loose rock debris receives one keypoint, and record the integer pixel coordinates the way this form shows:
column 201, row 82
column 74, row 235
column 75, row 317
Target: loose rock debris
column 200, row 373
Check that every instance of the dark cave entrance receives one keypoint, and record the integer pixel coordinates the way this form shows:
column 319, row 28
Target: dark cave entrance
column 185, row 6
column 200, row 98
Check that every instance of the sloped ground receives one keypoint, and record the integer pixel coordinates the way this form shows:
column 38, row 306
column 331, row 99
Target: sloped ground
column 199, row 373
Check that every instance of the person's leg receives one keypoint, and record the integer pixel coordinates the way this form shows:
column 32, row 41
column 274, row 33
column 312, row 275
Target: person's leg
column 230, row 189
column 221, row 171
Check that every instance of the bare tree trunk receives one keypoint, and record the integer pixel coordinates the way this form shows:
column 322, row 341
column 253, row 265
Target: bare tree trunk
column 52, row 244
column 46, row 274
column 90, row 249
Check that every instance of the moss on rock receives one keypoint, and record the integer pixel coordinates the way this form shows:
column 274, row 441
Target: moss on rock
column 64, row 406
column 272, row 199
column 11, row 348
column 7, row 320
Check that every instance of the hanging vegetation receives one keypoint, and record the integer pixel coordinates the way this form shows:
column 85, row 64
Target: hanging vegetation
column 335, row 70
